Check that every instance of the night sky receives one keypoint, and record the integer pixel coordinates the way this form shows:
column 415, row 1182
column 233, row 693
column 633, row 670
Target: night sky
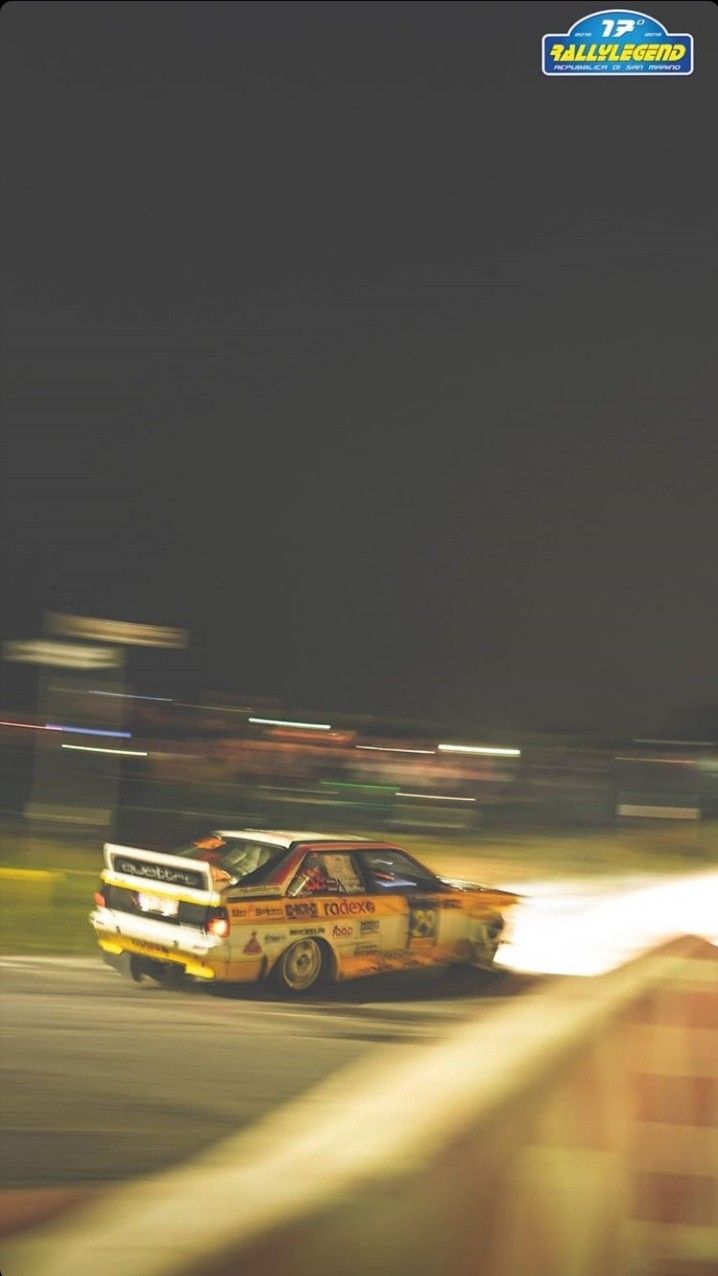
column 339, row 335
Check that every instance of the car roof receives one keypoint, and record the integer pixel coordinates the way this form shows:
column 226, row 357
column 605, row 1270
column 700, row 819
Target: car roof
column 285, row 838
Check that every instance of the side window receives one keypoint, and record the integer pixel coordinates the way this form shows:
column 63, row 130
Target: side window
column 327, row 874
column 343, row 869
column 392, row 871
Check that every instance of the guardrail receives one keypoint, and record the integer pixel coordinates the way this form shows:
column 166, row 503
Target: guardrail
column 573, row 1133
column 18, row 882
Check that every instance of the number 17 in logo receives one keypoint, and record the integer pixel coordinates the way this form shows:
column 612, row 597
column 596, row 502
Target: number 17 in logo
column 619, row 26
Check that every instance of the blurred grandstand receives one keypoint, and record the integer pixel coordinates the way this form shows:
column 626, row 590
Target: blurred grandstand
column 159, row 768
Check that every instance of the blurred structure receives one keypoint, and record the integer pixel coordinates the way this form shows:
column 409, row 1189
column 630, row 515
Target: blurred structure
column 76, row 742
column 158, row 764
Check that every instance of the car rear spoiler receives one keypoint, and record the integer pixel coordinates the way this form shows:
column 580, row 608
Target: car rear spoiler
column 155, row 868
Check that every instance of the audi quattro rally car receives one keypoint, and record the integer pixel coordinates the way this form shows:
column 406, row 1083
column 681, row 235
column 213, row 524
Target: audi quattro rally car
column 299, row 907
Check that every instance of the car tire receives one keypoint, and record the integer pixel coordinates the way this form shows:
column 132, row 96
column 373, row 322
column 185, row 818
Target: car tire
column 301, row 967
column 138, row 968
column 168, row 976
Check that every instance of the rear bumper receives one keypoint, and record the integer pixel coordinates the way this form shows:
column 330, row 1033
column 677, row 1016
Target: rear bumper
column 202, row 956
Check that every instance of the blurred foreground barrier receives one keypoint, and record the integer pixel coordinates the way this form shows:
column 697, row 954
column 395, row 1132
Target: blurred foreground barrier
column 571, row 1134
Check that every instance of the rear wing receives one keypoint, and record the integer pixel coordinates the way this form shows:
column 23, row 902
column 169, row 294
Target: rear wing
column 153, row 868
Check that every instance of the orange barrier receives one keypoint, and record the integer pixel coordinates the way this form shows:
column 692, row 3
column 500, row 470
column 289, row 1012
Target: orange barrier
column 573, row 1134
column 25, row 1207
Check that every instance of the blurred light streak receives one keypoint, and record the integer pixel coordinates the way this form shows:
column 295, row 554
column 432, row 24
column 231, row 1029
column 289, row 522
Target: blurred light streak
column 693, row 744
column 475, row 748
column 434, row 797
column 125, row 695
column 385, row 748
column 214, row 708
column 30, row 726
column 281, row 722
column 116, row 735
column 644, row 757
column 97, row 748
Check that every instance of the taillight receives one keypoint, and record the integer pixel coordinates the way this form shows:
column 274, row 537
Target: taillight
column 100, row 898
column 218, row 923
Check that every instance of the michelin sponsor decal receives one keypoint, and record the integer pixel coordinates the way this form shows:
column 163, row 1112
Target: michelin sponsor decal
column 617, row 42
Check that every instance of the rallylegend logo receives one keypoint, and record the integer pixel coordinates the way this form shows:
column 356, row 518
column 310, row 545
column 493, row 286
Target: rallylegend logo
column 617, row 42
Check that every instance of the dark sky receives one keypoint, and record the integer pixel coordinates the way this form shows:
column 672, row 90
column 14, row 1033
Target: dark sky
column 341, row 336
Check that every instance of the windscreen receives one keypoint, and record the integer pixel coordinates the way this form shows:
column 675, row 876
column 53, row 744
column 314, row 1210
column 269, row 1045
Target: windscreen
column 235, row 860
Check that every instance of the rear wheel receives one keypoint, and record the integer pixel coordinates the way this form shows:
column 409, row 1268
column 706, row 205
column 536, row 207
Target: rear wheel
column 167, row 974
column 301, row 967
column 170, row 975
column 138, row 968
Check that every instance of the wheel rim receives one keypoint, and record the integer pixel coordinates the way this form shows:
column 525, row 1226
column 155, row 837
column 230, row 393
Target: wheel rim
column 302, row 964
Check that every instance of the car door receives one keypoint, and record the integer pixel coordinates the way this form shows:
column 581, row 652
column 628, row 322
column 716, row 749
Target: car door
column 432, row 926
column 358, row 921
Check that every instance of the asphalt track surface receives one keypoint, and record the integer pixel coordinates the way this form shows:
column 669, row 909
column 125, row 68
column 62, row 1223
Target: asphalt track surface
column 102, row 1079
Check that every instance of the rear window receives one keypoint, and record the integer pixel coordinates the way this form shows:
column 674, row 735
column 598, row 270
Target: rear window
column 235, row 859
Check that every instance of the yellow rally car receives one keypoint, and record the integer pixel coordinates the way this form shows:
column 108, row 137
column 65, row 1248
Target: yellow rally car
column 299, row 907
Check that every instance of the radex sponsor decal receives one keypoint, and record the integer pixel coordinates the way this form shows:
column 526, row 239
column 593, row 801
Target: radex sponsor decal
column 343, row 932
column 369, row 928
column 348, row 907
column 158, row 872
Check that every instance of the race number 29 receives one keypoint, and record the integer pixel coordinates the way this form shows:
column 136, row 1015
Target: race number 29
column 422, row 922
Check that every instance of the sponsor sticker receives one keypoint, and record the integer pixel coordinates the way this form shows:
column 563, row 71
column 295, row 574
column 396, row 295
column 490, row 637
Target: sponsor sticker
column 253, row 945
column 348, row 907
column 369, row 928
column 343, row 932
column 273, row 939
column 297, row 911
column 150, row 948
column 307, row 930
